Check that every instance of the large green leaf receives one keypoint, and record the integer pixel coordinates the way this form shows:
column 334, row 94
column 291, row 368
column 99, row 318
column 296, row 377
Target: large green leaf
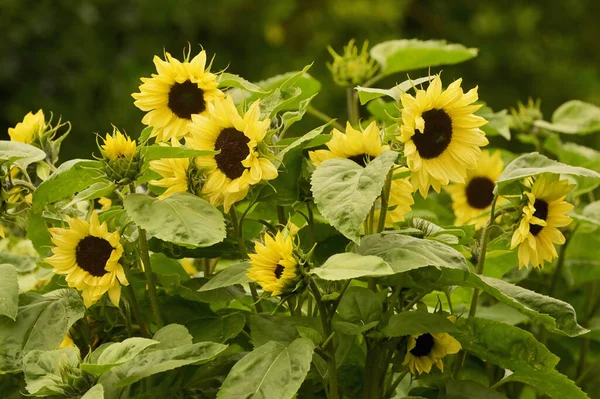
column 181, row 218
column 283, row 329
column 156, row 151
column 360, row 306
column 507, row 346
column 172, row 336
column 498, row 122
column 41, row 324
column 9, row 291
column 100, row 189
column 19, row 153
column 70, row 177
column 549, row 382
column 574, row 117
column 457, row 389
column 230, row 80
column 219, row 328
column 95, row 392
column 116, row 354
column 344, row 191
column 366, row 94
column 348, row 265
column 231, row 275
column 42, row 370
column 412, row 323
column 534, row 164
column 274, row 370
column 37, row 232
column 407, row 55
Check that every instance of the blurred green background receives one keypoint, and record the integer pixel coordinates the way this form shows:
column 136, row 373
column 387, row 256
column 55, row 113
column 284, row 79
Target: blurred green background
column 83, row 59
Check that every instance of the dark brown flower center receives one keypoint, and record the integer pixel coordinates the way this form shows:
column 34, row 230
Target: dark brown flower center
column 233, row 145
column 361, row 159
column 437, row 135
column 279, row 271
column 480, row 192
column 186, row 99
column 541, row 211
column 91, row 255
column 423, row 346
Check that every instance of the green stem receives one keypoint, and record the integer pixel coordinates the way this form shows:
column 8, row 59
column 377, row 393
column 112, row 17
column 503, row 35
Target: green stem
column 281, row 217
column 311, row 224
column 561, row 261
column 135, row 307
column 374, row 80
column 353, row 112
column 324, row 117
column 150, row 278
column 206, row 267
column 385, row 197
column 390, row 392
column 333, row 391
column 415, row 300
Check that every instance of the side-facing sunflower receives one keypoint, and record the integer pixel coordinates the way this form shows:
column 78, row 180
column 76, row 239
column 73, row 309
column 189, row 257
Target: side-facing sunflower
column 88, row 254
column 471, row 201
column 118, row 146
column 178, row 91
column 425, row 350
column 274, row 266
column 543, row 213
column 441, row 135
column 30, row 129
column 174, row 172
column 239, row 164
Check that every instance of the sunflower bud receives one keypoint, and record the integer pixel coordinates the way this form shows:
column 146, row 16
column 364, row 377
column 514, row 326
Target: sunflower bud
column 352, row 68
column 524, row 116
column 121, row 161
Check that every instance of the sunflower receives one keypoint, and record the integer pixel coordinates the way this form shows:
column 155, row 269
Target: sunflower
column 238, row 165
column 471, row 201
column 30, row 129
column 543, row 213
column 174, row 172
column 105, row 203
column 273, row 266
column 441, row 135
column 118, row 146
column 425, row 350
column 89, row 255
column 179, row 91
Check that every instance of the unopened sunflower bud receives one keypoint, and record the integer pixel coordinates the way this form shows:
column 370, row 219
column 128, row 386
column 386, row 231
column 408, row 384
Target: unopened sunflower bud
column 120, row 156
column 352, row 68
column 524, row 116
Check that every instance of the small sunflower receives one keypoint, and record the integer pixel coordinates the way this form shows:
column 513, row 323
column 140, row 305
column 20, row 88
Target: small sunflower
column 105, row 203
column 425, row 350
column 30, row 129
column 238, row 165
column 354, row 145
column 273, row 264
column 441, row 135
column 471, row 201
column 88, row 254
column 544, row 212
column 174, row 172
column 118, row 146
column 179, row 91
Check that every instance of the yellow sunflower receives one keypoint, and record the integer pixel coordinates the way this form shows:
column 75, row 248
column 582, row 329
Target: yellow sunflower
column 425, row 350
column 441, row 135
column 105, row 203
column 118, row 146
column 30, row 129
column 179, row 91
column 544, row 212
column 174, row 172
column 238, row 165
column 273, row 264
column 89, row 255
column 471, row 201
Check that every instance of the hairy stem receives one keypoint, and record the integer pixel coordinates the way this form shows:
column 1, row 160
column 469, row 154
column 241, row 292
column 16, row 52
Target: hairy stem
column 385, row 198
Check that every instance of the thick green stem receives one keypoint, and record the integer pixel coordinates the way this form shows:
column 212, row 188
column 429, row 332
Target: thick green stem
column 281, row 217
column 385, row 198
column 135, row 308
column 352, row 104
column 390, row 392
column 375, row 371
column 150, row 278
column 561, row 261
column 325, row 118
column 206, row 267
column 333, row 391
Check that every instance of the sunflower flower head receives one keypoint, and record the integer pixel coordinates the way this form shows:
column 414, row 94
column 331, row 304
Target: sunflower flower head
column 178, row 91
column 472, row 199
column 352, row 68
column 120, row 157
column 88, row 254
column 425, row 350
column 30, row 130
column 274, row 265
column 240, row 161
column 441, row 135
column 544, row 212
column 174, row 173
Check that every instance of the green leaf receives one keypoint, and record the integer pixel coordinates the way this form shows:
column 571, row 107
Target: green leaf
column 284, row 329
column 172, row 336
column 230, row 80
column 413, row 323
column 96, row 392
column 573, row 117
column 503, row 345
column 273, row 370
column 181, row 218
column 535, row 164
column 407, row 55
column 38, row 234
column 70, row 177
column 116, row 354
column 23, row 263
column 96, row 190
column 498, row 122
column 231, row 275
column 41, row 324
column 386, row 112
column 346, row 266
column 20, row 154
column 403, row 253
column 156, row 151
column 548, row 382
column 43, row 370
column 158, row 361
column 344, row 191
column 366, row 94
column 9, row 291
column 456, row 389
column 360, row 306
column 219, row 328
